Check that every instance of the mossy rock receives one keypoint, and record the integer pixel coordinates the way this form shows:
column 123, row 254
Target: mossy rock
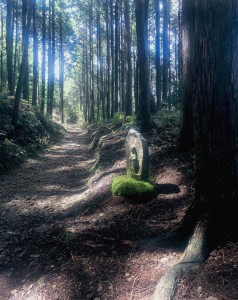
column 132, row 189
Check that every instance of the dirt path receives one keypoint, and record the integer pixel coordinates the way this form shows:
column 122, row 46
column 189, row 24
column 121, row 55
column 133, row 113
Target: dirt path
column 62, row 236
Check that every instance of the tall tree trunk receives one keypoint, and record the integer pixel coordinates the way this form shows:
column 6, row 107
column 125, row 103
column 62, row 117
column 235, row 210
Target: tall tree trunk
column 16, row 47
column 142, row 46
column 108, row 62
column 102, row 100
column 43, row 70
column 165, row 50
column 216, row 127
column 113, row 62
column 92, row 107
column 136, row 85
column 186, row 138
column 52, row 82
column 128, row 58
column 61, row 67
column 49, row 85
column 157, row 59
column 9, row 45
column 179, row 42
column 23, row 67
column 25, row 91
column 216, row 102
column 1, row 53
column 117, row 46
column 35, row 56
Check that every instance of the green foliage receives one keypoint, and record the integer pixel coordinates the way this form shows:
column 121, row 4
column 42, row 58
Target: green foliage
column 124, row 121
column 167, row 119
column 132, row 189
column 32, row 135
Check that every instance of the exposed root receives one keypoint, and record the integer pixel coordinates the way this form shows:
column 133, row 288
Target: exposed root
column 196, row 252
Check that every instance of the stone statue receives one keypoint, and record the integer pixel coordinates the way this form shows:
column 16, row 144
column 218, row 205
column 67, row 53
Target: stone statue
column 137, row 156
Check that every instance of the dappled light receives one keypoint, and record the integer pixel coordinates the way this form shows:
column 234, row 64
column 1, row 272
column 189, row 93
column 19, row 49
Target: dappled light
column 72, row 223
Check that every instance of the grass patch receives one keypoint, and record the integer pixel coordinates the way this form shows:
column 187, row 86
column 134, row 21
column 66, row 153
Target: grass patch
column 132, row 189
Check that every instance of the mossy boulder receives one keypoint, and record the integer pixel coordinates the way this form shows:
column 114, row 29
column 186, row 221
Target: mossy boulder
column 133, row 189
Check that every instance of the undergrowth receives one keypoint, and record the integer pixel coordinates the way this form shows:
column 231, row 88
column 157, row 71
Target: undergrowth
column 33, row 134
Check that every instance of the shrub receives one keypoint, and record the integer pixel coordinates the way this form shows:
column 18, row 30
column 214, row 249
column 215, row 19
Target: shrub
column 33, row 133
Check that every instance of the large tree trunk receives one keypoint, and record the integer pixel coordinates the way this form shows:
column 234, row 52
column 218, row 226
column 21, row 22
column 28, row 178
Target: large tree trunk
column 186, row 138
column 216, row 100
column 142, row 46
column 216, row 130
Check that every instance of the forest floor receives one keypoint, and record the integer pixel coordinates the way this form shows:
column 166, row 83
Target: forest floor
column 63, row 235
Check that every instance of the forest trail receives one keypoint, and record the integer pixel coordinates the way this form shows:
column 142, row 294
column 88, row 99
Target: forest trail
column 63, row 236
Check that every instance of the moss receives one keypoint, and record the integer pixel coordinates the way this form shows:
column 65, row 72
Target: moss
column 132, row 189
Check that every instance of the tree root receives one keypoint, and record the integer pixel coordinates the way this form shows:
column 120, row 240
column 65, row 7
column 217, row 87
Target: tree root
column 196, row 252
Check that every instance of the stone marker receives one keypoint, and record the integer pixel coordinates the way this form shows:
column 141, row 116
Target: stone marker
column 137, row 156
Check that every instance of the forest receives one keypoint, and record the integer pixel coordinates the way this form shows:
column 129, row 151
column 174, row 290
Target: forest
column 118, row 149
